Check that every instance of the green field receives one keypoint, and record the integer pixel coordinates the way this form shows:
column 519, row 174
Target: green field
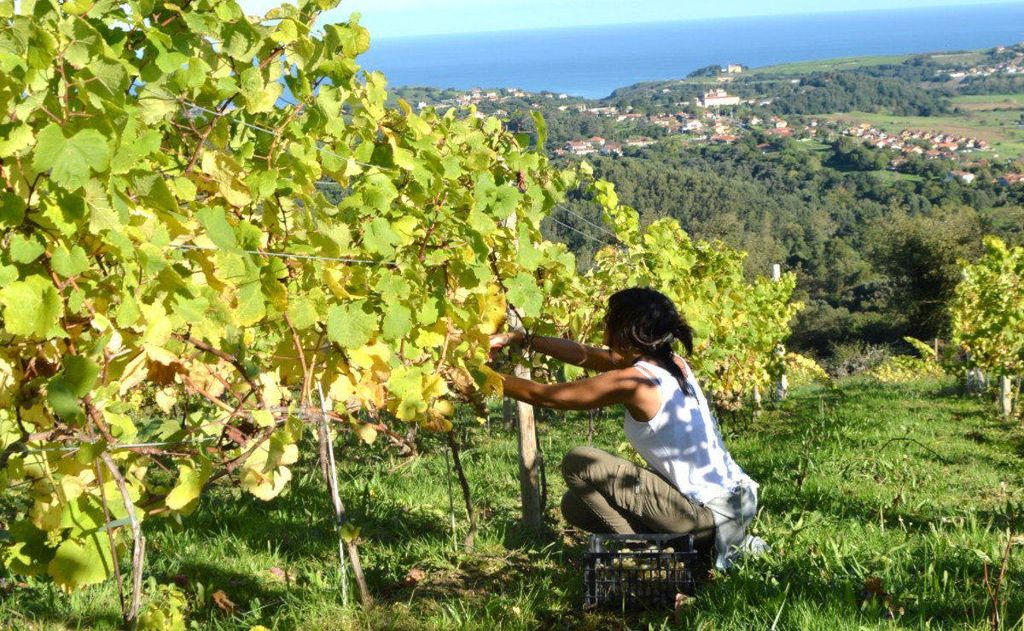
column 826, row 65
column 848, row 63
column 997, row 126
column 983, row 102
column 913, row 486
column 896, row 176
column 966, row 57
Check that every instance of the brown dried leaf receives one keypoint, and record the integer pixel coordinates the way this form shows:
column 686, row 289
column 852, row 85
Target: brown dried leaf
column 873, row 589
column 414, row 576
column 221, row 600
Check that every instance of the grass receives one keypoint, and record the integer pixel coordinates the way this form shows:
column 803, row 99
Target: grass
column 828, row 65
column 909, row 485
column 988, row 102
column 896, row 176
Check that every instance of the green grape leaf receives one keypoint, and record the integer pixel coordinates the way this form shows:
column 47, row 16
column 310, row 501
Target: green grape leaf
column 220, row 231
column 14, row 137
column 71, row 262
column 63, row 402
column 397, row 322
column 25, row 249
column 380, row 238
column 524, row 294
column 350, row 325
column 29, row 553
column 302, row 312
column 133, row 150
column 32, row 307
column 542, row 129
column 12, row 209
column 71, row 160
column 78, row 563
column 79, row 374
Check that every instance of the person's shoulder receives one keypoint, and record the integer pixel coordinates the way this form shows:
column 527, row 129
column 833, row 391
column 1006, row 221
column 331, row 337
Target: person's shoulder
column 641, row 369
column 683, row 364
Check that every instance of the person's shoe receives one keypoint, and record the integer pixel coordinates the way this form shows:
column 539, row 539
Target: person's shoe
column 753, row 546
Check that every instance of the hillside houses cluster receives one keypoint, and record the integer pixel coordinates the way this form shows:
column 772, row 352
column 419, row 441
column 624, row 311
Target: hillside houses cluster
column 708, row 127
column 1011, row 179
column 929, row 144
column 476, row 96
column 1013, row 66
column 602, row 146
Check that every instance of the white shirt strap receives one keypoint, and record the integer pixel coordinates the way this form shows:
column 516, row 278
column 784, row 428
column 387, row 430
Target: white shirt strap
column 648, row 372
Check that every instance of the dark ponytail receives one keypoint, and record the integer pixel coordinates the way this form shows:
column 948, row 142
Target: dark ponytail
column 646, row 320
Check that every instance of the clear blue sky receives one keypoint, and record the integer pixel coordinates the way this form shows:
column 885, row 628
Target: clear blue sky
column 400, row 18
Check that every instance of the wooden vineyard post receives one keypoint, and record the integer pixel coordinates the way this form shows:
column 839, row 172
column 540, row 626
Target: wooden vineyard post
column 783, row 386
column 522, row 414
column 1006, row 395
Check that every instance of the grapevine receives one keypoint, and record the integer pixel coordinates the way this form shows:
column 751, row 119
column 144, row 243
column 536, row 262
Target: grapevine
column 737, row 323
column 988, row 311
column 174, row 284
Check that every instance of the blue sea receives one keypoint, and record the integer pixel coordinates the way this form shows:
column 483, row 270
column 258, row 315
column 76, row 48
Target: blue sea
column 593, row 61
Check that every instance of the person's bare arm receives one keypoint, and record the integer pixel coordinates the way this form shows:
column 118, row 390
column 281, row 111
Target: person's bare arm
column 624, row 385
column 568, row 351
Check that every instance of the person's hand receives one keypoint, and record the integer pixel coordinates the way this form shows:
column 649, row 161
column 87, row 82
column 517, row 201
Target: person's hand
column 501, row 340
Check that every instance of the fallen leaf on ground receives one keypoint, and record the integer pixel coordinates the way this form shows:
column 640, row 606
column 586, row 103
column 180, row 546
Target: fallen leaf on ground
column 221, row 600
column 414, row 576
column 873, row 589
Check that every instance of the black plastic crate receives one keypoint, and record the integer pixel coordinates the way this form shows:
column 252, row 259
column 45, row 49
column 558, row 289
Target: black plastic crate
column 640, row 571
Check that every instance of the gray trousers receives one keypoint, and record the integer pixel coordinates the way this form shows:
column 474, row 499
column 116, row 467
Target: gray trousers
column 611, row 495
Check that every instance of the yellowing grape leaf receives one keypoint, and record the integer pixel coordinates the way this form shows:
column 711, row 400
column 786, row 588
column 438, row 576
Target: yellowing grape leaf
column 185, row 493
column 78, row 563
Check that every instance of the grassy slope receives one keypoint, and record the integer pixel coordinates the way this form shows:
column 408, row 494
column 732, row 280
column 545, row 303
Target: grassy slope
column 983, row 102
column 899, row 483
column 827, row 65
column 848, row 63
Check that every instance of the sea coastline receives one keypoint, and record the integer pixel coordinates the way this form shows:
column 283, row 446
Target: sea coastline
column 593, row 61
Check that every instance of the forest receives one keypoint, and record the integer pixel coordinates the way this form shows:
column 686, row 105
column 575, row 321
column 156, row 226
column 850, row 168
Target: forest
column 876, row 259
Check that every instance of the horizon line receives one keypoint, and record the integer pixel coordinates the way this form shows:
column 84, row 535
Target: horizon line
column 997, row 3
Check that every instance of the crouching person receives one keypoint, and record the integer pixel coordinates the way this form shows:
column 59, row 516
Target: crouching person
column 691, row 484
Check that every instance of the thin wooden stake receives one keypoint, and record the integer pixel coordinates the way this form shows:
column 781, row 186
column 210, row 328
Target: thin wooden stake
column 110, row 540
column 138, row 542
column 467, row 498
column 451, row 497
column 783, row 386
column 340, row 515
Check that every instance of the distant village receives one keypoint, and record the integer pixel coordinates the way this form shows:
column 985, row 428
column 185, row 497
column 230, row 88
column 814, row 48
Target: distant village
column 718, row 117
column 710, row 126
column 929, row 144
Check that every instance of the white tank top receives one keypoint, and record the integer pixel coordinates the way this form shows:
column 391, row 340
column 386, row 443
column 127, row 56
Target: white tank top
column 682, row 442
